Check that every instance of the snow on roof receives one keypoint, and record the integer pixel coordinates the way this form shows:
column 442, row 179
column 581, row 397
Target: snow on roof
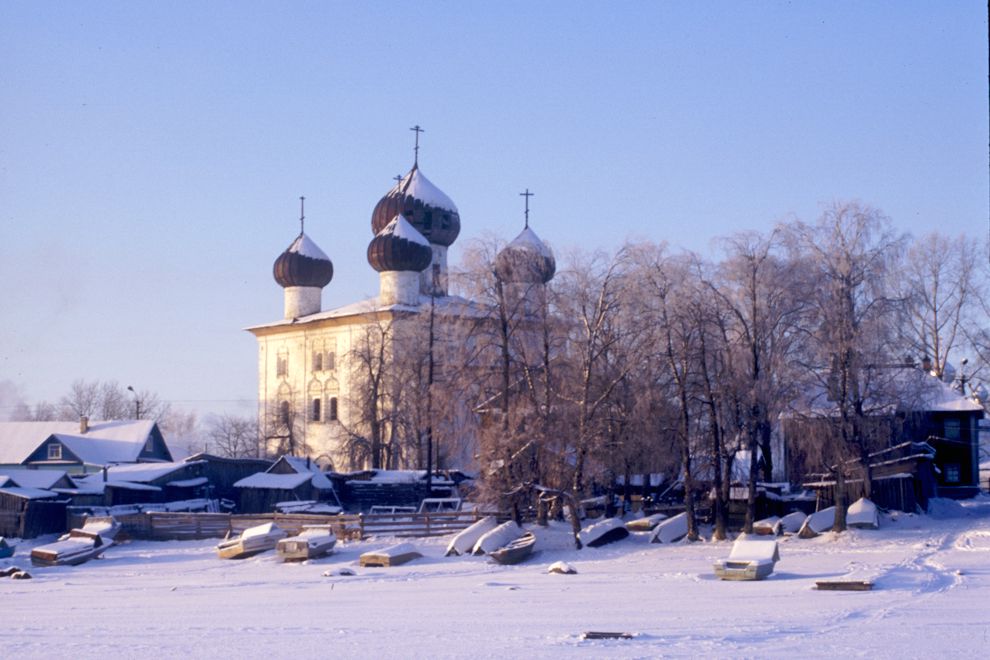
column 304, row 246
column 189, row 483
column 19, row 439
column 284, row 481
column 101, row 451
column 401, row 228
column 444, row 305
column 415, row 184
column 297, row 463
column 528, row 240
column 43, row 479
column 29, row 493
column 140, row 472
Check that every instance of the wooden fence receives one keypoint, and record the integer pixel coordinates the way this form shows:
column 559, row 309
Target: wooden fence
column 163, row 526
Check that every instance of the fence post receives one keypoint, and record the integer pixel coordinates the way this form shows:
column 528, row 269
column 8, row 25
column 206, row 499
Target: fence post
column 427, row 514
column 361, row 525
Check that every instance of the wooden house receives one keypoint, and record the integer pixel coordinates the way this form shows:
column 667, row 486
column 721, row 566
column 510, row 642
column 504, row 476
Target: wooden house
column 223, row 472
column 31, row 512
column 288, row 479
column 82, row 447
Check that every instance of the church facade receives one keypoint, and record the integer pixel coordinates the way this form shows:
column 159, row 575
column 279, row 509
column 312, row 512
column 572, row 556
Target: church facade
column 351, row 387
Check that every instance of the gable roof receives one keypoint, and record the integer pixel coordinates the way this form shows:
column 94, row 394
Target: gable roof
column 114, row 441
column 268, row 480
column 139, row 472
column 23, row 478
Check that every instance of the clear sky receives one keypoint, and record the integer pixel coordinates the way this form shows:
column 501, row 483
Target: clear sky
column 152, row 154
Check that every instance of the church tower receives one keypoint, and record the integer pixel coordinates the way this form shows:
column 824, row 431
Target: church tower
column 303, row 270
column 524, row 267
column 430, row 212
column 399, row 253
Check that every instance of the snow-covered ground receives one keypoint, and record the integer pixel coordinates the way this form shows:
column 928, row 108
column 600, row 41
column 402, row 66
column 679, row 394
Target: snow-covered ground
column 932, row 598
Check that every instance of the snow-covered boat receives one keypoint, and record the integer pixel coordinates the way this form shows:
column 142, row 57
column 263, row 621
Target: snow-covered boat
column 6, row 549
column 863, row 514
column 671, row 530
column 791, row 523
column 392, row 556
column 496, row 538
column 646, row 523
column 604, row 532
column 515, row 551
column 465, row 540
column 768, row 526
column 752, row 558
column 74, row 548
column 818, row 523
column 251, row 541
column 312, row 542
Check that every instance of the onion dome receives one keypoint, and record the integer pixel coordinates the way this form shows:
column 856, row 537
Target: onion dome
column 424, row 205
column 303, row 264
column 399, row 247
column 526, row 260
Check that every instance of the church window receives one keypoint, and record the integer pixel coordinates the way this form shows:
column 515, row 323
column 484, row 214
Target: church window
column 283, row 413
column 282, row 365
column 329, row 364
column 54, row 452
column 314, row 412
column 332, row 414
column 317, row 361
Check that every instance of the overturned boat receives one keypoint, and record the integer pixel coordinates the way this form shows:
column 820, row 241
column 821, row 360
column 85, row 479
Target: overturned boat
column 515, row 551
column 79, row 545
column 313, row 542
column 251, row 541
column 603, row 532
column 463, row 543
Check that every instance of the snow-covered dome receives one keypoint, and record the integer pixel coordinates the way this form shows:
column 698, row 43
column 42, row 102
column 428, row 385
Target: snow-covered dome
column 526, row 259
column 399, row 247
column 303, row 264
column 424, row 205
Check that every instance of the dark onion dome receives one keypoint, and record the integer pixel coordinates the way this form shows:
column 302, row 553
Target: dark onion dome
column 399, row 247
column 526, row 260
column 303, row 264
column 426, row 208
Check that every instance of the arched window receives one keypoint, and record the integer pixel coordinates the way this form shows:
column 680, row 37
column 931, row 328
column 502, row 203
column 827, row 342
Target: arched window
column 315, row 410
column 332, row 416
column 282, row 365
column 283, row 413
column 317, row 360
column 329, row 364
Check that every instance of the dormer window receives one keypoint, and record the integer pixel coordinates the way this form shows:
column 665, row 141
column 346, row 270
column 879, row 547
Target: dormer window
column 54, row 452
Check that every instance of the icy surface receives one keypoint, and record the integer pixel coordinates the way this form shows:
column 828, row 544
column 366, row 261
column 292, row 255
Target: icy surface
column 176, row 599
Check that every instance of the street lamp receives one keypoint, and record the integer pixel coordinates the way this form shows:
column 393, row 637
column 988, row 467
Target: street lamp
column 137, row 403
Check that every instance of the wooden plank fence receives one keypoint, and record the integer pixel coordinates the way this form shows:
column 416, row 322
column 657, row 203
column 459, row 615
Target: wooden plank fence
column 166, row 526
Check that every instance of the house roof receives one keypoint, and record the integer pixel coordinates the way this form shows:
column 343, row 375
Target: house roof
column 31, row 478
column 29, row 493
column 115, row 441
column 138, row 472
column 267, row 480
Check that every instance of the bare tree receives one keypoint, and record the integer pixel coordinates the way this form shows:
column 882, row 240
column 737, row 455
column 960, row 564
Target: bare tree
column 852, row 251
column 233, row 436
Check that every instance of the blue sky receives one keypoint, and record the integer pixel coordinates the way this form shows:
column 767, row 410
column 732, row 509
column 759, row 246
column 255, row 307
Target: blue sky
column 152, row 154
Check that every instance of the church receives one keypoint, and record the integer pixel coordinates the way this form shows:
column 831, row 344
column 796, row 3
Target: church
column 359, row 386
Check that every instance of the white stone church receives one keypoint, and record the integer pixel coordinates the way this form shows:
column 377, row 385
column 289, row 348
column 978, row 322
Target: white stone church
column 307, row 364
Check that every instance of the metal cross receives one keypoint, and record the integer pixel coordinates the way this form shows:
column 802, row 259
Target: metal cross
column 527, row 195
column 416, row 150
column 302, row 212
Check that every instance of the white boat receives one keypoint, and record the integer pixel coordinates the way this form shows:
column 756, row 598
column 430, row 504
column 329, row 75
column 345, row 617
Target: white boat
column 791, row 523
column 312, row 542
column 465, row 540
column 78, row 545
column 863, row 514
column 251, row 541
column 671, row 530
column 395, row 555
column 497, row 538
column 768, row 526
column 752, row 558
column 818, row 523
column 646, row 523
column 603, row 532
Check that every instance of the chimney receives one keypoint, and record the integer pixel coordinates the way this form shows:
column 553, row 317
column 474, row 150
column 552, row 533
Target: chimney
column 83, row 424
